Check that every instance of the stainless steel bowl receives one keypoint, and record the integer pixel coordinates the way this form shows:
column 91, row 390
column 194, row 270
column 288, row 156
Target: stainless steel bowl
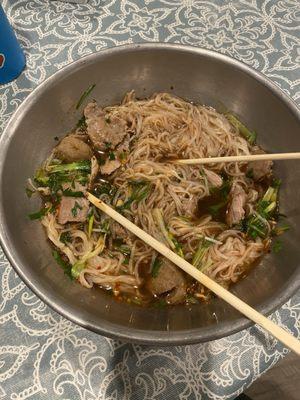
column 194, row 74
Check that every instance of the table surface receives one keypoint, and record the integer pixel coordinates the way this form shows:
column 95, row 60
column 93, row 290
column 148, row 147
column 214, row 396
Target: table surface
column 44, row 356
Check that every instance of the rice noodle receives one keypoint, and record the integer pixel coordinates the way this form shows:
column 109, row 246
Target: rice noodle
column 163, row 127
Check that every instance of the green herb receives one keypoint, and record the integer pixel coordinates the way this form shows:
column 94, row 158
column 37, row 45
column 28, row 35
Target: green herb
column 126, row 260
column 155, row 267
column 122, row 156
column 276, row 183
column 105, row 226
column 198, row 256
column 107, row 145
column 178, row 247
column 39, row 214
column 77, row 268
column 277, row 246
column 71, row 193
column 41, row 177
column 29, row 192
column 140, row 190
column 65, row 237
column 81, row 124
column 85, row 95
column 244, row 131
column 279, row 230
column 257, row 226
column 111, row 155
column 75, row 209
column 121, row 246
column 105, row 188
column 169, row 238
column 84, row 165
column 90, row 225
column 65, row 266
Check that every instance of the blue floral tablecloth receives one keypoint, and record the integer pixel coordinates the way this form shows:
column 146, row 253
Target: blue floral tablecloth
column 44, row 356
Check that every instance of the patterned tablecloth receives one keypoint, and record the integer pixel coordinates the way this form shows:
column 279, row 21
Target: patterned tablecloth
column 44, row 356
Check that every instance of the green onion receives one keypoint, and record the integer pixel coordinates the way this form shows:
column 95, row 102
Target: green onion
column 84, row 165
column 257, row 226
column 105, row 188
column 80, row 264
column 81, row 123
column 198, row 256
column 155, row 267
column 111, row 155
column 244, row 131
column 70, row 193
column 75, row 209
column 169, row 238
column 121, row 246
column 41, row 177
column 85, row 95
column 140, row 191
column 279, row 230
column 105, row 226
column 126, row 260
column 39, row 214
column 65, row 237
column 77, row 268
column 65, row 266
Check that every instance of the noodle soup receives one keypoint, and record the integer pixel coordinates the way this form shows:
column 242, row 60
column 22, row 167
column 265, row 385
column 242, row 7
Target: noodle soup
column 221, row 217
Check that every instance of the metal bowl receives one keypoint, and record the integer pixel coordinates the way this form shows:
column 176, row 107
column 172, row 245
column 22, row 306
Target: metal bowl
column 197, row 75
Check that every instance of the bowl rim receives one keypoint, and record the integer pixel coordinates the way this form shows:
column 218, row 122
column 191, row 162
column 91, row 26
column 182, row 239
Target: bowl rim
column 114, row 330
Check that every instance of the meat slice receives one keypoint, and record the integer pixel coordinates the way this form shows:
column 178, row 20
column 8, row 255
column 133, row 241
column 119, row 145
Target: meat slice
column 103, row 131
column 235, row 211
column 73, row 209
column 109, row 167
column 168, row 281
column 72, row 149
column 214, row 179
column 259, row 169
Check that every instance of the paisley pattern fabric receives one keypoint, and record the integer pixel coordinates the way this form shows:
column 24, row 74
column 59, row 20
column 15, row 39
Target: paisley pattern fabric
column 44, row 356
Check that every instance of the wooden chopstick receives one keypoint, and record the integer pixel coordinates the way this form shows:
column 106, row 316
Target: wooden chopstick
column 250, row 157
column 286, row 338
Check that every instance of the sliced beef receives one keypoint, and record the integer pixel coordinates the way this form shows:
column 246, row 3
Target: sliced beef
column 101, row 130
column 177, row 295
column 214, row 179
column 73, row 209
column 110, row 166
column 237, row 200
column 72, row 149
column 259, row 169
column 169, row 281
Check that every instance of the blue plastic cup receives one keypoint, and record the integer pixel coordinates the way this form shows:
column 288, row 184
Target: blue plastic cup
column 12, row 59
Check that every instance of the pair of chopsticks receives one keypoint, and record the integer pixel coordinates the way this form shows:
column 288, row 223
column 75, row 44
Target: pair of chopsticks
column 286, row 338
column 247, row 158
